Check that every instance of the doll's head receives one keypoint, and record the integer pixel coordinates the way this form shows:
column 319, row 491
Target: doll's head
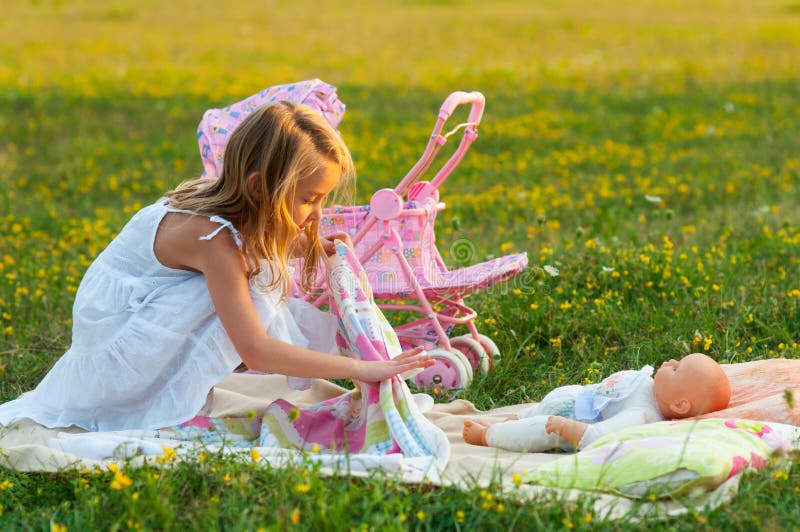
column 693, row 385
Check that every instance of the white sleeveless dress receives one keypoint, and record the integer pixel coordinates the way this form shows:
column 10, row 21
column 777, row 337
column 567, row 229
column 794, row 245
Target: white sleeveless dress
column 147, row 345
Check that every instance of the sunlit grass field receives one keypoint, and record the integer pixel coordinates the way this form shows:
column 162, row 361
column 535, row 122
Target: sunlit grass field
column 647, row 150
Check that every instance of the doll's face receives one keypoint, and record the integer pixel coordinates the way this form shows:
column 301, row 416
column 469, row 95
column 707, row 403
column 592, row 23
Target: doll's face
column 693, row 385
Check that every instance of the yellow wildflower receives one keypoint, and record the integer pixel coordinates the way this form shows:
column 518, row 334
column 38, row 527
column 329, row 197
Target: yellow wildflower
column 121, row 481
column 169, row 455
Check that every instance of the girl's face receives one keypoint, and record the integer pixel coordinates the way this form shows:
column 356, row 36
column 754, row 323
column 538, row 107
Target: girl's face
column 311, row 193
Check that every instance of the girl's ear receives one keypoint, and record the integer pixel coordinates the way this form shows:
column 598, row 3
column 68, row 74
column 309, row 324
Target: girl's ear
column 681, row 407
column 252, row 184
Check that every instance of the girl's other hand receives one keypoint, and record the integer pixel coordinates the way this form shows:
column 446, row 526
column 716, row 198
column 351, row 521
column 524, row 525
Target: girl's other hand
column 327, row 241
column 416, row 358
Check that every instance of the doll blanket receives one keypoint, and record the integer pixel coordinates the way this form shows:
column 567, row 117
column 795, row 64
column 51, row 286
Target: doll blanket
column 764, row 390
column 683, row 458
column 373, row 418
column 217, row 125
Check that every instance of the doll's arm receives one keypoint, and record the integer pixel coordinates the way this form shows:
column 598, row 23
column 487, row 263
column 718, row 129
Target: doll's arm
column 624, row 419
column 569, row 429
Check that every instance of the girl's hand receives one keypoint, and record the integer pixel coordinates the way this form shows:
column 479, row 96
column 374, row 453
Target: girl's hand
column 416, row 358
column 327, row 241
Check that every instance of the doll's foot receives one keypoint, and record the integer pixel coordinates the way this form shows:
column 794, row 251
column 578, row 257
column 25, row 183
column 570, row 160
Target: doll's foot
column 474, row 432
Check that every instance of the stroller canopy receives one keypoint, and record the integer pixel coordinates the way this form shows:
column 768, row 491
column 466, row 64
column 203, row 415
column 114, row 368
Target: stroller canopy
column 217, row 124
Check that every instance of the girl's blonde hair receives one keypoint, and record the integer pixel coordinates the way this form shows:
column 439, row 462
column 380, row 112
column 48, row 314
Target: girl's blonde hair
column 281, row 143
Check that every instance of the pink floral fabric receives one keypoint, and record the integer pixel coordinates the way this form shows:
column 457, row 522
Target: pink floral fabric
column 374, row 418
column 217, row 124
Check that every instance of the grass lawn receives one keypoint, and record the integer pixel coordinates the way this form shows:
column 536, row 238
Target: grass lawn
column 646, row 149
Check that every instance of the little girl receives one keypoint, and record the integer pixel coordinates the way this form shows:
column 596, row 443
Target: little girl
column 198, row 282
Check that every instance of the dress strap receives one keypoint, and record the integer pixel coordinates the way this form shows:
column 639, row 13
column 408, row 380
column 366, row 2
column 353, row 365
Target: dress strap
column 216, row 219
column 223, row 224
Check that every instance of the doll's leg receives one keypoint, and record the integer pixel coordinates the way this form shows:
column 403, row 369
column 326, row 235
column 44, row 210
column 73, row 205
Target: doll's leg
column 474, row 432
column 525, row 435
column 559, row 402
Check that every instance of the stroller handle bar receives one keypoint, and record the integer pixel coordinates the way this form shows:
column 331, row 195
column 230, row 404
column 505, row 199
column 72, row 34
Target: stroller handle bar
column 437, row 140
column 462, row 98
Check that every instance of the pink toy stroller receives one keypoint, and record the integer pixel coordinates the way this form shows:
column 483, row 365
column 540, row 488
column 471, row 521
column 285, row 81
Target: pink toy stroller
column 394, row 239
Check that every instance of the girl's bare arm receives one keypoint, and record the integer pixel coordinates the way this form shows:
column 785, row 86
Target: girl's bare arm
column 222, row 264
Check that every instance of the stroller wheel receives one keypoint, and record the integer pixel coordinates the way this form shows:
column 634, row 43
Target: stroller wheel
column 474, row 352
column 464, row 362
column 491, row 349
column 448, row 374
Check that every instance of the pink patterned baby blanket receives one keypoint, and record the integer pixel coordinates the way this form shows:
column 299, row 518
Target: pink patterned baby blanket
column 217, row 124
column 374, row 418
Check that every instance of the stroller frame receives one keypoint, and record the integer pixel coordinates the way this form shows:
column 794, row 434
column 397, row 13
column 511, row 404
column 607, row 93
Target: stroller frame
column 423, row 283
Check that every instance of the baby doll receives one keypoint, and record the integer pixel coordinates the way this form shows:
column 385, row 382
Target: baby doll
column 574, row 416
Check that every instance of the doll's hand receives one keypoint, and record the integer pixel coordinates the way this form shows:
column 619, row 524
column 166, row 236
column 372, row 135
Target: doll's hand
column 327, row 241
column 555, row 424
column 569, row 429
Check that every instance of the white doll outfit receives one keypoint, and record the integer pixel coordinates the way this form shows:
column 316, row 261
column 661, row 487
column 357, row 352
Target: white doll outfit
column 147, row 345
column 625, row 398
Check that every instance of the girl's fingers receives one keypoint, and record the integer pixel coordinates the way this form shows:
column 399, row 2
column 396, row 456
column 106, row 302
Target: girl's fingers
column 417, row 361
column 328, row 247
column 341, row 235
column 414, row 359
column 411, row 352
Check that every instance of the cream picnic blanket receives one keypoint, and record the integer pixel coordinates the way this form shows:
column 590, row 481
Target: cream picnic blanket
column 31, row 447
column 27, row 446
